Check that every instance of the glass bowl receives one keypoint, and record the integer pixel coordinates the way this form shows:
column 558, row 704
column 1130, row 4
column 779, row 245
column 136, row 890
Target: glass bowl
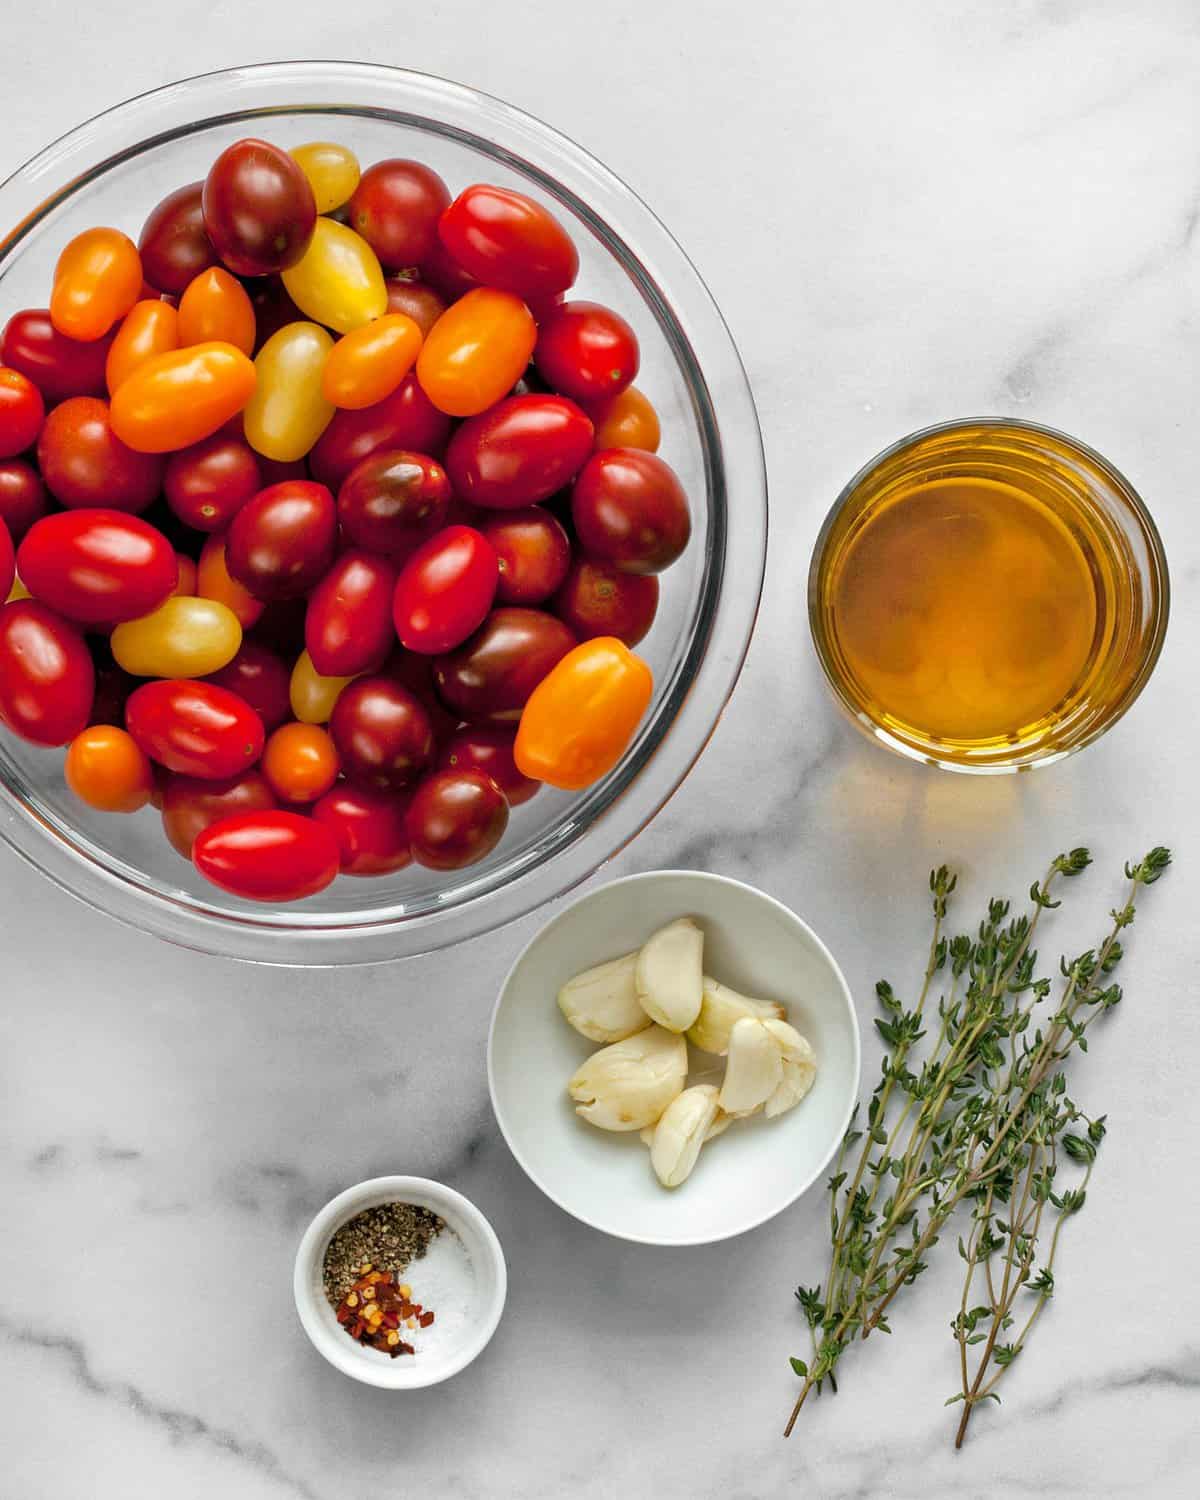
column 113, row 170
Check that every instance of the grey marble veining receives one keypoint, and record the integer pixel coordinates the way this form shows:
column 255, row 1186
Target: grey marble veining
column 906, row 213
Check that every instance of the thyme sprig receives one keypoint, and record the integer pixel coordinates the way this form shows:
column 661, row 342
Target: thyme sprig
column 979, row 1116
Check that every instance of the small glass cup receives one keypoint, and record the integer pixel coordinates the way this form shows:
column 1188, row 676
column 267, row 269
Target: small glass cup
column 1095, row 503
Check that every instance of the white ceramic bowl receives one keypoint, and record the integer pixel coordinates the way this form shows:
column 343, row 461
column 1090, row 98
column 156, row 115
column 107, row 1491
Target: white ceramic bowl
column 438, row 1362
column 758, row 1167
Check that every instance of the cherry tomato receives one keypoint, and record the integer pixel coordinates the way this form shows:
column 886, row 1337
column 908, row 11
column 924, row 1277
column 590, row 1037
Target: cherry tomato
column 190, row 804
column 216, row 306
column 475, row 352
column 444, row 590
column 581, row 717
column 348, row 628
column 288, row 411
column 150, row 327
column 283, row 541
column 396, row 208
column 300, row 762
column 85, row 463
column 392, row 501
column 22, row 496
column 174, row 244
column 259, row 211
column 47, row 681
column 520, row 451
column 22, row 412
column 445, row 275
column 533, row 552
column 455, row 818
column 106, row 769
column 488, row 748
column 369, row 828
column 7, row 562
column 313, row 697
column 213, row 581
column 490, row 676
column 267, row 856
column 338, row 281
column 415, row 672
column 183, row 637
column 506, row 240
column 627, row 420
column 97, row 567
column 195, row 728
column 97, row 280
column 382, row 733
column 60, row 367
column 261, row 677
column 332, row 172
column 176, row 399
column 630, row 510
column 416, row 300
column 406, row 419
column 597, row 600
column 586, row 351
column 207, row 484
column 368, row 364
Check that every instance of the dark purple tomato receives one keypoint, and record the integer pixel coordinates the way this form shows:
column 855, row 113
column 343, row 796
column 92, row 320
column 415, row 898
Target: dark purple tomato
column 533, row 552
column 518, row 452
column 586, row 351
column 267, row 856
column 444, row 590
column 190, row 805
column 488, row 748
column 84, row 463
column 630, row 511
column 348, row 627
column 507, row 240
column 490, row 676
column 455, row 818
column 262, row 678
column 283, row 541
column 597, row 600
column 195, row 728
column 416, row 299
column 60, row 367
column 392, row 501
column 396, row 207
column 47, row 681
column 174, row 244
column 22, row 496
column 259, row 209
column 369, row 828
column 382, row 733
column 97, row 567
column 207, row 484
column 406, row 419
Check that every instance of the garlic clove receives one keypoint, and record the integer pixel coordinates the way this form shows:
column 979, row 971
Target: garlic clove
column 602, row 1003
column 630, row 1083
column 799, row 1068
column 754, row 1070
column 669, row 975
column 721, row 1123
column 720, row 1007
column 681, row 1132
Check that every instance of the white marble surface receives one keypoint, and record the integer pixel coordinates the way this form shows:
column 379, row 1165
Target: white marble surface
column 907, row 212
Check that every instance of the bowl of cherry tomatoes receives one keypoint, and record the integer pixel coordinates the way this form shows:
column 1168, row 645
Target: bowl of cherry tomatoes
column 382, row 513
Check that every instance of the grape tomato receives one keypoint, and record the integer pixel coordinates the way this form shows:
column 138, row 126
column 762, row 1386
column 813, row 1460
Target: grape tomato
column 190, row 804
column 505, row 239
column 455, row 818
column 627, row 420
column 392, row 501
column 475, row 352
column 488, row 748
column 22, row 412
column 533, row 552
column 97, row 280
column 85, row 463
column 282, row 542
column 97, row 567
column 491, row 675
column 150, row 327
column 366, row 365
column 267, row 856
column 314, row 697
column 597, row 600
column 348, row 625
column 195, row 728
column 369, row 828
column 406, row 419
column 60, row 367
column 396, row 207
column 382, row 732
column 288, row 410
column 522, row 450
column 178, row 398
column 174, row 244
column 216, row 306
column 338, row 281
column 586, row 351
column 207, row 484
column 630, row 510
column 445, row 590
column 22, row 496
column 47, row 680
column 261, row 677
column 183, row 637
column 332, row 171
column 259, row 210
column 416, row 300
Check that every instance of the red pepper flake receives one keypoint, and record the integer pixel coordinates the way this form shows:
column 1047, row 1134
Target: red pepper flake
column 425, row 1319
column 377, row 1325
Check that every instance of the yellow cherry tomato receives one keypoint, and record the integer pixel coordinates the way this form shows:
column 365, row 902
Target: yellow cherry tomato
column 215, row 305
column 476, row 351
column 312, row 695
column 369, row 363
column 97, row 280
column 108, row 770
column 288, row 411
column 148, row 328
column 332, row 172
column 338, row 281
column 181, row 638
column 175, row 399
column 214, row 581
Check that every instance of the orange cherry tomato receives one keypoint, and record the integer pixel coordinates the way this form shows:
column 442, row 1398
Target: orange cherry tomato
column 367, row 364
column 581, row 716
column 300, row 762
column 213, row 581
column 216, row 306
column 176, row 399
column 148, row 328
column 626, row 420
column 97, row 280
column 108, row 770
column 476, row 351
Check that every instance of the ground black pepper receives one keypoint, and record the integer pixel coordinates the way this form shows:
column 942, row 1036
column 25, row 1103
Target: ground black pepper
column 388, row 1237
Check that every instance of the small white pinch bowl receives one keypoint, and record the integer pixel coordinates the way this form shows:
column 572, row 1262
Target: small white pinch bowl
column 428, row 1366
column 604, row 1178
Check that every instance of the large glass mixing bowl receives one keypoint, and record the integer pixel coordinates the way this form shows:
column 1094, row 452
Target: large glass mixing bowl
column 112, row 171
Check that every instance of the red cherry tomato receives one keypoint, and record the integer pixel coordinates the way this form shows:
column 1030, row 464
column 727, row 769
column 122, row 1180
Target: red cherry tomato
column 259, row 209
column 262, row 678
column 267, row 856
column 586, row 351
column 84, row 462
column 392, row 501
column 534, row 553
column 282, row 541
column 190, row 805
column 348, row 627
column 506, row 240
column 22, row 412
column 488, row 748
column 490, row 676
column 22, row 497
column 97, row 567
column 60, row 367
column 406, row 419
column 630, row 510
column 207, row 484
column 597, row 600
column 173, row 244
column 396, row 207
column 455, row 818
column 444, row 590
column 97, row 279
column 382, row 733
column 7, row 562
column 416, row 299
column 369, row 828
column 521, row 451
column 195, row 728
column 47, row 681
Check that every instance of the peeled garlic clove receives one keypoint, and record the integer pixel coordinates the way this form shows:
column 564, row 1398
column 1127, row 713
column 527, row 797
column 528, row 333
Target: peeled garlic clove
column 630, row 1083
column 721, row 1123
column 681, row 1132
column 754, row 1069
column 720, row 1007
column 669, row 975
column 602, row 1003
column 799, row 1068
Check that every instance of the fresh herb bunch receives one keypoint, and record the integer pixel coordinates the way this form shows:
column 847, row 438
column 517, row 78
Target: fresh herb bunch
column 983, row 1117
